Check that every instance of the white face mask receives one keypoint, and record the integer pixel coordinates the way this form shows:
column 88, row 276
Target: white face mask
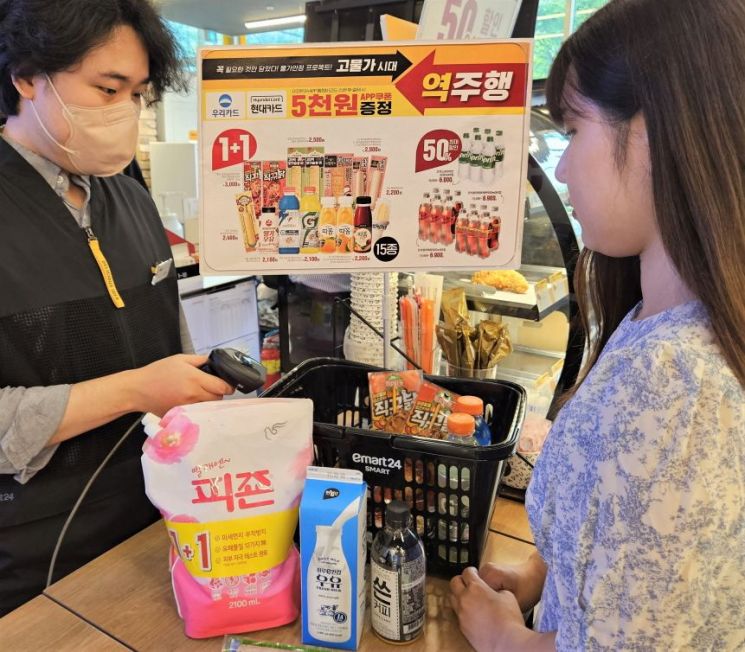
column 102, row 140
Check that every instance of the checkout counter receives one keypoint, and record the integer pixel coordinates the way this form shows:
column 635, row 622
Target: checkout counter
column 123, row 601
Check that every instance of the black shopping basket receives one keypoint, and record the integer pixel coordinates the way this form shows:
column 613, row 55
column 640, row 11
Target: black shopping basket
column 450, row 488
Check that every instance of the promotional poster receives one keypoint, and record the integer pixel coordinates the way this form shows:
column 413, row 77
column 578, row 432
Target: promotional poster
column 355, row 157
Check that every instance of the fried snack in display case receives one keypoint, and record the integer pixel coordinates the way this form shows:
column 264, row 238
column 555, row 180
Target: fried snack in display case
column 508, row 280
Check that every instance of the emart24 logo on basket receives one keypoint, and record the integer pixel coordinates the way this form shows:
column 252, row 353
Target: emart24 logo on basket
column 388, row 467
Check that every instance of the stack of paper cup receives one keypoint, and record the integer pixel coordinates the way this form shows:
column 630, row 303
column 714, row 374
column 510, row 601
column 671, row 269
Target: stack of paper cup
column 361, row 344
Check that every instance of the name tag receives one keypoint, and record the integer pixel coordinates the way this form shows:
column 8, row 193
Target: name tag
column 160, row 271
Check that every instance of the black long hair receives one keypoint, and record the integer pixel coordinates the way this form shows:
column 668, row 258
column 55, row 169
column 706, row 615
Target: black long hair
column 49, row 36
column 679, row 64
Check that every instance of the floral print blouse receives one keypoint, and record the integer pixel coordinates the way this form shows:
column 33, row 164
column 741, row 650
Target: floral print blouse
column 637, row 501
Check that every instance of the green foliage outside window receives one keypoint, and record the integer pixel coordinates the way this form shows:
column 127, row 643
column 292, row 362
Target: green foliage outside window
column 554, row 26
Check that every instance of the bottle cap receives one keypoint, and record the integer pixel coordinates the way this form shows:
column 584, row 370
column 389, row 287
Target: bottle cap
column 472, row 405
column 477, row 137
column 397, row 514
column 499, row 132
column 309, row 190
column 461, row 424
column 328, row 202
column 490, row 139
column 345, row 200
column 363, row 200
column 268, row 209
column 289, row 190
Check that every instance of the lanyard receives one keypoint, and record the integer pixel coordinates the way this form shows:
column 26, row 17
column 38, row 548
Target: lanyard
column 103, row 266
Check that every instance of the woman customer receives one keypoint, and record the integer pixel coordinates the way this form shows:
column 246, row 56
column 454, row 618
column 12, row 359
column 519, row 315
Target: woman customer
column 637, row 502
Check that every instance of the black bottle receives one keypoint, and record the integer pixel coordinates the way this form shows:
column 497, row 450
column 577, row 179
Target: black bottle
column 397, row 578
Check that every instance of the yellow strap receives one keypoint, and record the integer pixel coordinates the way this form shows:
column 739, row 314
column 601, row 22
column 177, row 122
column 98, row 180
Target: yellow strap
column 242, row 546
column 108, row 277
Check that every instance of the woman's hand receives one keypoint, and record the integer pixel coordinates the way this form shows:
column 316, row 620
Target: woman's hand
column 524, row 581
column 509, row 578
column 492, row 620
column 483, row 613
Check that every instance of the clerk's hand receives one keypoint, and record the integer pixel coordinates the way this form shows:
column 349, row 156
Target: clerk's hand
column 487, row 617
column 172, row 381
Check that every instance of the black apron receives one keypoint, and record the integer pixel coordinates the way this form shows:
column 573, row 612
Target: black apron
column 58, row 325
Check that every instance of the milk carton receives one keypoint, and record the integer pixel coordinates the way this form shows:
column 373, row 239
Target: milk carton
column 333, row 522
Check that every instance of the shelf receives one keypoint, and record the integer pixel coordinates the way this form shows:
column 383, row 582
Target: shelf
column 548, row 291
column 532, row 364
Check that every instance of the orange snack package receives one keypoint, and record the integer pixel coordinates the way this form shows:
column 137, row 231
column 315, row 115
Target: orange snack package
column 429, row 415
column 252, row 183
column 274, row 175
column 392, row 395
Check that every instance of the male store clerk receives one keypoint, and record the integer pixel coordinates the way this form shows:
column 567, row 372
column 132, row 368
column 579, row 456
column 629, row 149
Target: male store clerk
column 91, row 331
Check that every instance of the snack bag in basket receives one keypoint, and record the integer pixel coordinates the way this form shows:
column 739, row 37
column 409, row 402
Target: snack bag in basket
column 392, row 394
column 428, row 416
column 227, row 478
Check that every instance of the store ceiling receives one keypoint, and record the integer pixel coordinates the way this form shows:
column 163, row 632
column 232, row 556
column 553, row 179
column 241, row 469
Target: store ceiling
column 227, row 16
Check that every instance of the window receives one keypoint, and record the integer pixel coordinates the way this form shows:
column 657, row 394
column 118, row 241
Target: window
column 278, row 37
column 557, row 19
column 191, row 39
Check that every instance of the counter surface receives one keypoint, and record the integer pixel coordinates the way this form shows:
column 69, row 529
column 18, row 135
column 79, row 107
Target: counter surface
column 42, row 624
column 126, row 594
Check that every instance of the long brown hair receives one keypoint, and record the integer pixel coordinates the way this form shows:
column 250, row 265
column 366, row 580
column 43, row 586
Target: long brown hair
column 681, row 64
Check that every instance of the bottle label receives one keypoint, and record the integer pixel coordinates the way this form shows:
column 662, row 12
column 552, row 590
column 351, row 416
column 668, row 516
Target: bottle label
column 344, row 238
column 398, row 599
column 362, row 240
column 385, row 608
column 327, row 231
column 499, row 156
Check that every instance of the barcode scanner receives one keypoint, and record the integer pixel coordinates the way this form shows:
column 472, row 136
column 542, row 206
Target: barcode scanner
column 236, row 368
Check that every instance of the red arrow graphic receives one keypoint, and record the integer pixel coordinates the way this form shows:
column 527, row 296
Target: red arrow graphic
column 452, row 85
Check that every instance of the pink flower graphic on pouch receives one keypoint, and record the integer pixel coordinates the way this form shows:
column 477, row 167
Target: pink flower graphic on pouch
column 171, row 415
column 177, row 437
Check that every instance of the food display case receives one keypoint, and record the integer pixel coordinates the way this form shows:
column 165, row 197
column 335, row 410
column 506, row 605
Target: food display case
column 548, row 345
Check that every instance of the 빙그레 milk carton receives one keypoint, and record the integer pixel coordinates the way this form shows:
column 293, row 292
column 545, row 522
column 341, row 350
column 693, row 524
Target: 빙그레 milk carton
column 333, row 524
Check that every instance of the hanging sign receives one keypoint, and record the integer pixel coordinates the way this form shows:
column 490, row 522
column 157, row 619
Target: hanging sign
column 355, row 157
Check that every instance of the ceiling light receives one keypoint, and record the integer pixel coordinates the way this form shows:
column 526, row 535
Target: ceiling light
column 276, row 22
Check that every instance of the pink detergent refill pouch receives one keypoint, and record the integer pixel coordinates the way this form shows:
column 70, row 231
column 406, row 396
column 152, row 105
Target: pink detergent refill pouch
column 227, row 476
